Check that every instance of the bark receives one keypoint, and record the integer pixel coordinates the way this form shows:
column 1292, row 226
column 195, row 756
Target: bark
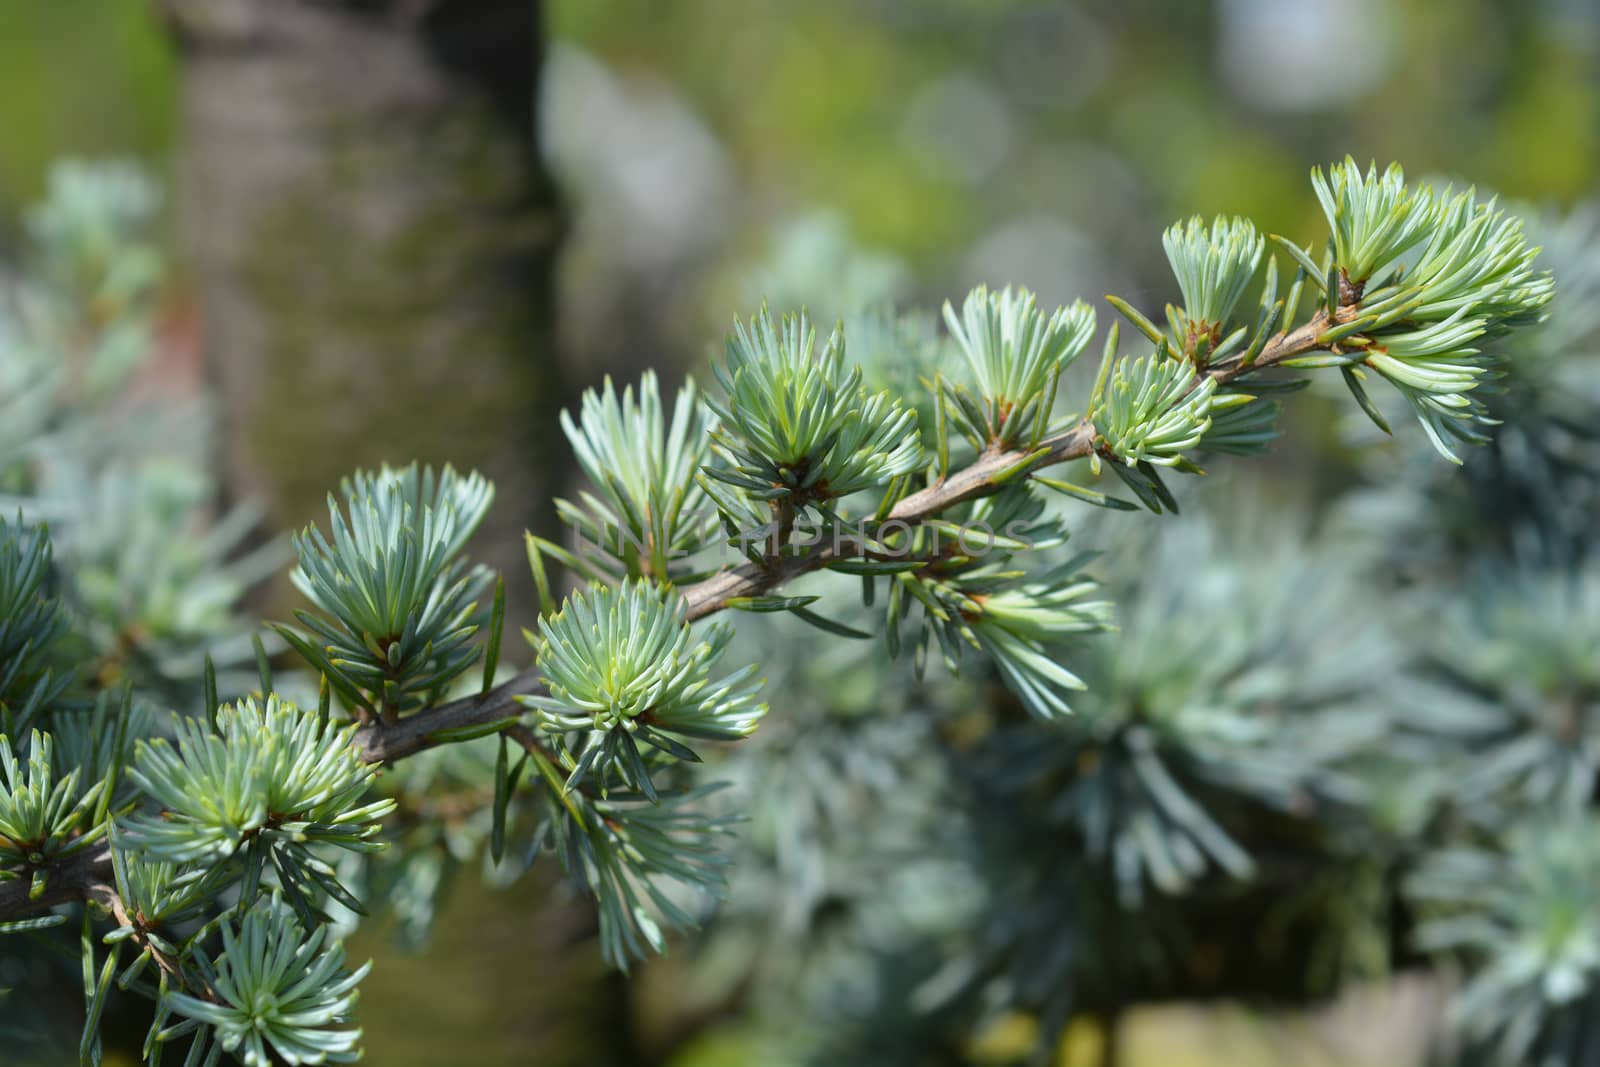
column 373, row 240
column 372, row 236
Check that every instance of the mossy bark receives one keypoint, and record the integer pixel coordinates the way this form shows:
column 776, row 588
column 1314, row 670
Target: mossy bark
column 373, row 240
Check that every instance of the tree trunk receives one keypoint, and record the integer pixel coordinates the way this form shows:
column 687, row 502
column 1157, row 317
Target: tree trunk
column 373, row 237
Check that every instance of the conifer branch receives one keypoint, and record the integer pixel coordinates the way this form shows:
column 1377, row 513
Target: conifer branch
column 388, row 742
column 156, row 829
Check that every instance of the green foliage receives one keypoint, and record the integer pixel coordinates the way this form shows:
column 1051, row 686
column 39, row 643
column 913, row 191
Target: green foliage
column 98, row 740
column 30, row 622
column 1435, row 368
column 628, row 850
column 138, row 569
column 1515, row 685
column 900, row 352
column 624, row 663
column 797, row 426
column 272, row 782
column 1477, row 257
column 1152, row 410
column 1523, row 915
column 1017, row 625
column 651, row 514
column 278, row 993
column 1016, row 355
column 96, row 266
column 973, row 596
column 1528, row 484
column 42, row 817
column 166, row 896
column 1232, row 690
column 155, row 584
column 1253, row 741
column 1500, row 713
column 1418, row 325
column 1242, row 424
column 1374, row 219
column 1213, row 268
column 1254, row 758
column 398, row 603
column 833, row 879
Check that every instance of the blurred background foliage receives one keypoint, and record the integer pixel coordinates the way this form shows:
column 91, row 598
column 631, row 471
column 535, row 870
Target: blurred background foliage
column 96, row 77
column 960, row 135
column 710, row 153
column 1036, row 140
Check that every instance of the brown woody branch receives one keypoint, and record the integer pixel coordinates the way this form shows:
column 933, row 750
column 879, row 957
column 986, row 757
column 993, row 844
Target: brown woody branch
column 73, row 879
